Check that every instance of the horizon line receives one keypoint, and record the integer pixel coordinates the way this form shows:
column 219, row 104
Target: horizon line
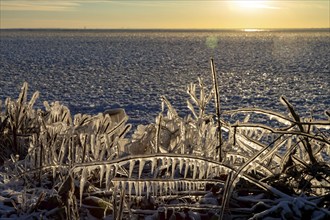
column 174, row 29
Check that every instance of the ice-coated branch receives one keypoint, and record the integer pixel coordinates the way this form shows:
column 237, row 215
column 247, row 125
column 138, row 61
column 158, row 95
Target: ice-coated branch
column 217, row 107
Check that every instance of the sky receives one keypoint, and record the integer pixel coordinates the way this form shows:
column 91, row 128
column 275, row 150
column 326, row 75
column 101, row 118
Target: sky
column 164, row 14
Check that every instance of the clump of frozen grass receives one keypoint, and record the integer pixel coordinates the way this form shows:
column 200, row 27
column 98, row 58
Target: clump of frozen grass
column 87, row 167
column 18, row 120
column 42, row 146
column 194, row 134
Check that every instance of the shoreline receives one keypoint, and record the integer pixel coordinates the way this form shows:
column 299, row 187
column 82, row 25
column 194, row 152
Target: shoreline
column 174, row 29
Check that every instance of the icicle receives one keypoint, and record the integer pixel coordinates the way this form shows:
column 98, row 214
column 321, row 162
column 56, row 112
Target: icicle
column 201, row 171
column 187, row 165
column 180, row 164
column 89, row 170
column 165, row 187
column 205, row 167
column 182, row 136
column 138, row 184
column 97, row 148
column 188, row 185
column 145, row 186
column 160, row 188
column 141, row 187
column 92, row 144
column 82, row 183
column 115, row 169
column 131, row 167
column 152, row 190
column 180, row 185
column 212, row 172
column 103, row 147
column 173, row 187
column 176, row 187
column 54, row 172
column 167, row 162
column 232, row 159
column 223, row 170
column 148, row 188
column 130, row 185
column 101, row 174
column 217, row 170
column 116, row 184
column 136, row 189
column 141, row 165
column 153, row 165
column 208, row 170
column 152, row 187
column 155, row 188
column 173, row 167
column 198, row 186
column 195, row 169
column 107, row 176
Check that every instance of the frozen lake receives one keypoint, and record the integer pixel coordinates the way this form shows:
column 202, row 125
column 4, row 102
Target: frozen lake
column 93, row 70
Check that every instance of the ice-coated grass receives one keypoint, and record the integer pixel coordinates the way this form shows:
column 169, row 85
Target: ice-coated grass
column 55, row 165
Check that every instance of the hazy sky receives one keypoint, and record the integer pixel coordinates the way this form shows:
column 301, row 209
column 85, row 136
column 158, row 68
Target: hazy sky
column 164, row 14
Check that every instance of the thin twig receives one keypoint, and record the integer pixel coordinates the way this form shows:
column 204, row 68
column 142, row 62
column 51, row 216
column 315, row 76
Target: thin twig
column 217, row 107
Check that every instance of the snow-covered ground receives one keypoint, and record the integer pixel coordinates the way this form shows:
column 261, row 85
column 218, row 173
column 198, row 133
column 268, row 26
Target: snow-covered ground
column 90, row 71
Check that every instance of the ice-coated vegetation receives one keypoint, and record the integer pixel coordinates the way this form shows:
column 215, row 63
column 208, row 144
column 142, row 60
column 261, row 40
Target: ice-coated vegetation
column 58, row 166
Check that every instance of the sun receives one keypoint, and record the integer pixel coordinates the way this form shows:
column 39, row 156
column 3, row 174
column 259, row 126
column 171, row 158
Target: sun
column 251, row 4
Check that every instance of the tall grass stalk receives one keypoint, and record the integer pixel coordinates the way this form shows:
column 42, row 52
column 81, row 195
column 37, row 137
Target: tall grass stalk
column 217, row 107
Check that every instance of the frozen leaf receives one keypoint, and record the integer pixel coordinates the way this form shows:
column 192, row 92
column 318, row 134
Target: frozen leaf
column 191, row 108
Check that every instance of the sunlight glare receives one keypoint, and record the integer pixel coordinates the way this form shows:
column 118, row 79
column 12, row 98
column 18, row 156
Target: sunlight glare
column 253, row 30
column 251, row 4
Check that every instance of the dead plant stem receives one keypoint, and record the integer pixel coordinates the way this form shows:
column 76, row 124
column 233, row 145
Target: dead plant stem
column 217, row 107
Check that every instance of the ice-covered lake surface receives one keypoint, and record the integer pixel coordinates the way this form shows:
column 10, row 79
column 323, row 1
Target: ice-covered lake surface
column 93, row 70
